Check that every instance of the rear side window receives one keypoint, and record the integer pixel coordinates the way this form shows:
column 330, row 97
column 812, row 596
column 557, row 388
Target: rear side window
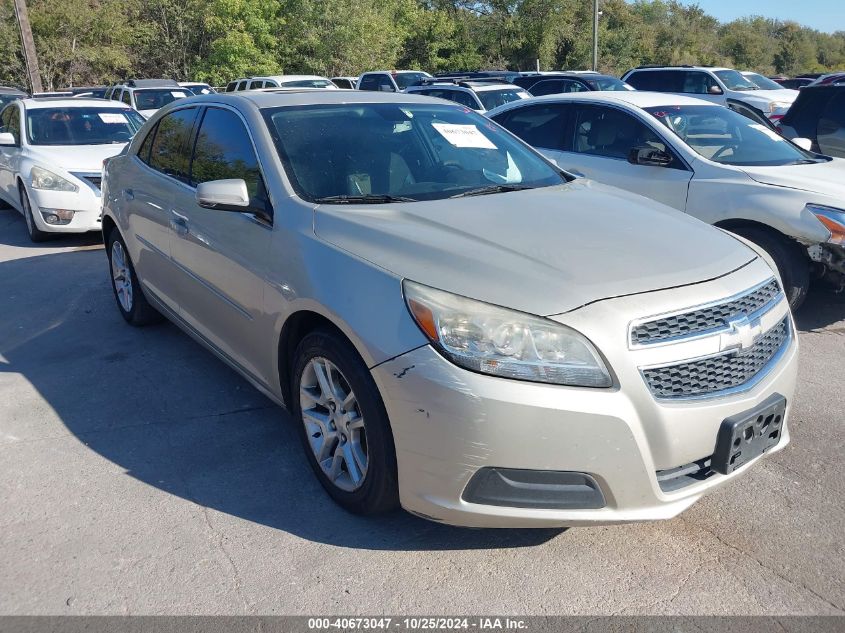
column 223, row 150
column 657, row 80
column 556, row 86
column 169, row 151
column 542, row 126
column 377, row 82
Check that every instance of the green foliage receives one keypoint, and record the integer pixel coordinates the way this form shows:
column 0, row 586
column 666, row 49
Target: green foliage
column 100, row 41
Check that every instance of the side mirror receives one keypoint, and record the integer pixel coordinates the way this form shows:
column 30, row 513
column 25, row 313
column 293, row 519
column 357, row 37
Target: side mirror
column 648, row 155
column 803, row 143
column 223, row 195
column 7, row 139
column 715, row 90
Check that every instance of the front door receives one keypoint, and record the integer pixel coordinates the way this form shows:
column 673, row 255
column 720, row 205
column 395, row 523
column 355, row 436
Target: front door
column 224, row 254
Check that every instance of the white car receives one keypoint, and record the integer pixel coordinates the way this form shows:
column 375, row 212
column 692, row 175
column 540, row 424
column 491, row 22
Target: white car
column 709, row 161
column 724, row 86
column 147, row 95
column 773, row 90
column 480, row 95
column 287, row 81
column 51, row 159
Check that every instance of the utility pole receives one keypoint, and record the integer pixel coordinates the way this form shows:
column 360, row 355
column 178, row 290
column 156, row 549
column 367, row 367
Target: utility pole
column 595, row 34
column 33, row 75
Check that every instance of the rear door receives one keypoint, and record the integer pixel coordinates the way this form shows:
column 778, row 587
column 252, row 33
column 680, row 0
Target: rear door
column 831, row 126
column 223, row 254
column 158, row 171
column 601, row 140
column 10, row 122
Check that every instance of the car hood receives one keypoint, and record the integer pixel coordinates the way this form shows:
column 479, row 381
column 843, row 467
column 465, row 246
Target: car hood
column 784, row 94
column 75, row 157
column 543, row 251
column 826, row 178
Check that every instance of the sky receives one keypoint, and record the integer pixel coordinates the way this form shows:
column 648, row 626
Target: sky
column 824, row 15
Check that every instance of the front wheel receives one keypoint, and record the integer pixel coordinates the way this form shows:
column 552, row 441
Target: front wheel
column 343, row 424
column 35, row 234
column 792, row 262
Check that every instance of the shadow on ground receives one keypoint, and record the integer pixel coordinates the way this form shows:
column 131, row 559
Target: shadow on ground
column 168, row 412
column 823, row 308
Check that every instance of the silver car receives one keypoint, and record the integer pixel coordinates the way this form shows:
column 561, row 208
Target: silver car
column 454, row 324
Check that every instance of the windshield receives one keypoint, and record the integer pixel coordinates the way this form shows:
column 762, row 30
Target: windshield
column 494, row 98
column 200, row 89
column 735, row 81
column 400, row 153
column 81, row 126
column 155, row 98
column 308, row 83
column 730, row 138
column 608, row 83
column 403, row 80
column 763, row 83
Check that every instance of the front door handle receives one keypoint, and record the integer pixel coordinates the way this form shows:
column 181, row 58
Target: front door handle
column 179, row 224
column 128, row 194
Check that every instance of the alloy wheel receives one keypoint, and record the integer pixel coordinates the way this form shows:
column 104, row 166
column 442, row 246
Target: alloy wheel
column 334, row 424
column 121, row 276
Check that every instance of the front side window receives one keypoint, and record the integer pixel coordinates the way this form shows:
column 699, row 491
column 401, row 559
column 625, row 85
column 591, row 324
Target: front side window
column 125, row 98
column 698, row 83
column 727, row 137
column 155, row 98
column 255, row 85
column 458, row 96
column 11, row 123
column 734, row 80
column 373, row 82
column 494, row 98
column 611, row 133
column 539, row 125
column 400, row 152
column 223, row 150
column 169, row 152
column 81, row 126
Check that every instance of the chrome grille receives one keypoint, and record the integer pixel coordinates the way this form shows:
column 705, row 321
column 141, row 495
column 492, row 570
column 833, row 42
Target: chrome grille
column 703, row 319
column 714, row 374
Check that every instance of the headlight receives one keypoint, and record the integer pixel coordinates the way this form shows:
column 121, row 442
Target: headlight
column 492, row 340
column 833, row 220
column 48, row 181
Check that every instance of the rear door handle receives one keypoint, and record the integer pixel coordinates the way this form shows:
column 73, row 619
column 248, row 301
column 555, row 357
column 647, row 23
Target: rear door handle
column 179, row 223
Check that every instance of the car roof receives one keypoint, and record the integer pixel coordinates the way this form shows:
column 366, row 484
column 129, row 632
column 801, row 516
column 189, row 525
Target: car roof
column 393, row 72
column 636, row 98
column 309, row 96
column 70, row 102
column 287, row 77
column 649, row 68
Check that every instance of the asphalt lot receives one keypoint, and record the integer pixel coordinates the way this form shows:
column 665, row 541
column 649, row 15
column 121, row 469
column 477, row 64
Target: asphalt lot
column 139, row 475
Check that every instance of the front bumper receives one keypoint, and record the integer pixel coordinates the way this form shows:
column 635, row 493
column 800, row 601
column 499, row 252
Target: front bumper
column 85, row 203
column 448, row 423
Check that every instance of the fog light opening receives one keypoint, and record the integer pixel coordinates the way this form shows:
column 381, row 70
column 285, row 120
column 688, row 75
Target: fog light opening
column 57, row 216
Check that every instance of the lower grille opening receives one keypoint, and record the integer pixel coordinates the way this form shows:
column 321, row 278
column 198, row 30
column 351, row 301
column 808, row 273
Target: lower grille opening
column 673, row 479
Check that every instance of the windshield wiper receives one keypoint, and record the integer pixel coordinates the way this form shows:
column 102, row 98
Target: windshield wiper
column 368, row 198
column 482, row 191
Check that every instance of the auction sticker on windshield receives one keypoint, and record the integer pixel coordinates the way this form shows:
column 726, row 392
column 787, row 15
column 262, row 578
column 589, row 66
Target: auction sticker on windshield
column 463, row 135
column 112, row 117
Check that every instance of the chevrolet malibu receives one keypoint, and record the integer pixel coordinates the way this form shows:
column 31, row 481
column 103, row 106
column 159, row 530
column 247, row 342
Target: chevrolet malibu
column 455, row 325
column 51, row 159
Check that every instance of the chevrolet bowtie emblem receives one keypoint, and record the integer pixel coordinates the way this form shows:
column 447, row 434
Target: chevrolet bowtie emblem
column 741, row 334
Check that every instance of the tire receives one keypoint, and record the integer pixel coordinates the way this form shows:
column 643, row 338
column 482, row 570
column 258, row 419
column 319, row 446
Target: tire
column 792, row 262
column 329, row 425
column 35, row 234
column 128, row 294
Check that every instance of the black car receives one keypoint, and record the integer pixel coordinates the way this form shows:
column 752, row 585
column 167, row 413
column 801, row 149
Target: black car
column 819, row 115
column 9, row 94
column 793, row 83
column 555, row 83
